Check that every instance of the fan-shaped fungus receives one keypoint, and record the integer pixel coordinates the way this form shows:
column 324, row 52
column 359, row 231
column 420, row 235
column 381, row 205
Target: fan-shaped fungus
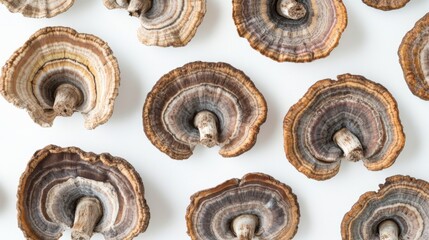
column 38, row 8
column 386, row 5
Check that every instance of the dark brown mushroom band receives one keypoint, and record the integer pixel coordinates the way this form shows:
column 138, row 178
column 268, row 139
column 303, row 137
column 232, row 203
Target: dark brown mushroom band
column 361, row 107
column 56, row 178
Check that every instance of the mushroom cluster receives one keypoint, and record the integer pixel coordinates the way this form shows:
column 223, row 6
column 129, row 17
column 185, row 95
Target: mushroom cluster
column 38, row 8
column 291, row 30
column 414, row 58
column 254, row 207
column 386, row 5
column 67, row 187
column 351, row 119
column 164, row 23
column 399, row 210
column 58, row 72
column 204, row 103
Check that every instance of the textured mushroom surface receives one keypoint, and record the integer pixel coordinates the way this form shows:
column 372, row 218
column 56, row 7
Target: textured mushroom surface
column 38, row 8
column 207, row 103
column 352, row 119
column 163, row 22
column 414, row 58
column 58, row 72
column 402, row 201
column 272, row 205
column 291, row 30
column 55, row 181
column 386, row 5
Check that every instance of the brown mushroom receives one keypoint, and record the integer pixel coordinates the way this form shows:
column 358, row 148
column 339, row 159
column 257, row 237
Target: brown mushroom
column 67, row 187
column 291, row 30
column 254, row 207
column 414, row 58
column 38, row 8
column 58, row 72
column 386, row 5
column 399, row 210
column 349, row 119
column 204, row 103
column 164, row 23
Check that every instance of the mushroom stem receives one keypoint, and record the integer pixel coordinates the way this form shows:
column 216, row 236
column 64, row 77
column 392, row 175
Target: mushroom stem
column 291, row 9
column 137, row 7
column 67, row 98
column 388, row 230
column 244, row 226
column 205, row 121
column 349, row 144
column 88, row 213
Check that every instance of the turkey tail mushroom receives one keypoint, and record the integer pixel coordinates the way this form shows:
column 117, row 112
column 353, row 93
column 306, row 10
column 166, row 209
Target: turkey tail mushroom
column 38, row 8
column 386, row 5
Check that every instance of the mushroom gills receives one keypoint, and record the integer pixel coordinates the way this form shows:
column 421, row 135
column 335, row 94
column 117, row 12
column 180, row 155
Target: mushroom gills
column 88, row 213
column 349, row 144
column 206, row 121
column 244, row 227
column 388, row 230
column 291, row 9
column 67, row 98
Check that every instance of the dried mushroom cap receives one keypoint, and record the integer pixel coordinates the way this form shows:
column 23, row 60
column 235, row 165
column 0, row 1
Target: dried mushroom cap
column 58, row 72
column 38, row 8
column 386, row 5
column 66, row 187
column 349, row 119
column 414, row 58
column 204, row 103
column 291, row 30
column 399, row 210
column 163, row 22
column 255, row 207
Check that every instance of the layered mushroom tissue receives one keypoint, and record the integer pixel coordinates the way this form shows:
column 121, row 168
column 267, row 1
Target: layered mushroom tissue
column 59, row 71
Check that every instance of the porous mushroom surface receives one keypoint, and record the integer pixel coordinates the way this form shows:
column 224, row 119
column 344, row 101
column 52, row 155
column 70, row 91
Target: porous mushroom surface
column 399, row 210
column 414, row 58
column 256, row 207
column 69, row 188
column 291, row 30
column 204, row 103
column 59, row 71
column 351, row 118
column 386, row 5
column 38, row 8
column 163, row 22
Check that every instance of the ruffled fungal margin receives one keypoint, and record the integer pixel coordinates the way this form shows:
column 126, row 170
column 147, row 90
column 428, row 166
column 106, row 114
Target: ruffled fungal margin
column 69, row 188
column 254, row 207
column 386, row 5
column 204, row 103
column 351, row 119
column 399, row 210
column 38, row 8
column 58, row 72
column 291, row 30
column 164, row 23
column 414, row 58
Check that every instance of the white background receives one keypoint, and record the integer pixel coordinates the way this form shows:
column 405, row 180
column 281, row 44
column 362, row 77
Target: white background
column 368, row 47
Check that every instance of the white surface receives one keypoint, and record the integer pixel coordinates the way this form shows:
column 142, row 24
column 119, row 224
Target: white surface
column 368, row 47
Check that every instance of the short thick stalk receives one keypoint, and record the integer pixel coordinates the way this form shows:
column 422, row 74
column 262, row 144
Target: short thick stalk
column 137, row 7
column 244, row 226
column 291, row 9
column 205, row 121
column 67, row 99
column 88, row 213
column 349, row 144
column 388, row 230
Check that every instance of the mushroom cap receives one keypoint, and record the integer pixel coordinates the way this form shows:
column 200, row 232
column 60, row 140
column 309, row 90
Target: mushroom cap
column 386, row 5
column 365, row 108
column 167, row 23
column 413, row 56
column 58, row 55
column 211, row 211
column 56, row 178
column 312, row 37
column 403, row 199
column 38, row 8
column 216, row 87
